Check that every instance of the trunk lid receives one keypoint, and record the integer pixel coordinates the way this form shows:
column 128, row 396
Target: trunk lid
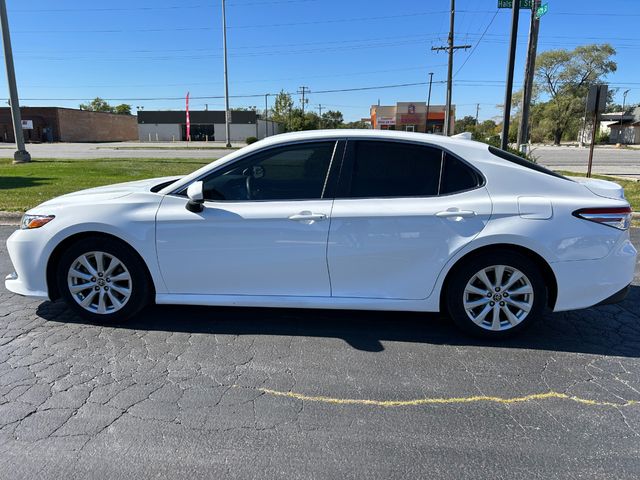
column 602, row 188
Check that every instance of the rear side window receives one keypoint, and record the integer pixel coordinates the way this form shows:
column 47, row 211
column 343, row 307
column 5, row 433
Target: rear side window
column 524, row 163
column 390, row 169
column 457, row 176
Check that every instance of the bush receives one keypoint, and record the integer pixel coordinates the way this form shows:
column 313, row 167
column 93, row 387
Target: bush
column 602, row 138
column 251, row 140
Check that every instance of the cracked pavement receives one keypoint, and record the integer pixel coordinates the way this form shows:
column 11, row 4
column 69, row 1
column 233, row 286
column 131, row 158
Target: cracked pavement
column 180, row 392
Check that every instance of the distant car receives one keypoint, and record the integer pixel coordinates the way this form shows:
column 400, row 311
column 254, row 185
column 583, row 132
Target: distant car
column 343, row 219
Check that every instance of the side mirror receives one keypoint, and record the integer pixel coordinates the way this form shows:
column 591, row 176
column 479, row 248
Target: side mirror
column 196, row 197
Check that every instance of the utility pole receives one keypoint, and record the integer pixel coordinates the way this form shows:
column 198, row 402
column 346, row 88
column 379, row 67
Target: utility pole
column 534, row 28
column 266, row 114
column 477, row 112
column 624, row 99
column 515, row 13
column 429, row 100
column 320, row 115
column 450, row 49
column 227, row 112
column 303, row 91
column 21, row 155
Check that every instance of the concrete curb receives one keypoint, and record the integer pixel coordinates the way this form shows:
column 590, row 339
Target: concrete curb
column 10, row 218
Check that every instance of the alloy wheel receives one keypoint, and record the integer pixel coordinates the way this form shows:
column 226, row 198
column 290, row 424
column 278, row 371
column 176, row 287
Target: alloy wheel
column 99, row 282
column 498, row 297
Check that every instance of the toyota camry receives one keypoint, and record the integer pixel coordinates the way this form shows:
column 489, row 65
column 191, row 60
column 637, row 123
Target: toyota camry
column 343, row 219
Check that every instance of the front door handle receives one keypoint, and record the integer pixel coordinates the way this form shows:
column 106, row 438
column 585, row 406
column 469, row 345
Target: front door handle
column 456, row 213
column 307, row 217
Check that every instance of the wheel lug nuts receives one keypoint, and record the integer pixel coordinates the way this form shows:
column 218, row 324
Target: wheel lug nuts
column 106, row 287
column 502, row 304
column 492, row 303
column 497, row 289
column 489, row 295
column 505, row 294
column 93, row 279
column 96, row 288
column 108, row 279
column 100, row 274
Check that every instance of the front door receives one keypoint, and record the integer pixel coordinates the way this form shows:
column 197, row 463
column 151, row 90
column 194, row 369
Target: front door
column 263, row 230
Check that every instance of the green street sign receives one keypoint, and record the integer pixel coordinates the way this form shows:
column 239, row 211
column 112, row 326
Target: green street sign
column 528, row 4
column 542, row 10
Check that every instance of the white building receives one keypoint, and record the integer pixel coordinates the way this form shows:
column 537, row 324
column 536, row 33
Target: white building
column 206, row 125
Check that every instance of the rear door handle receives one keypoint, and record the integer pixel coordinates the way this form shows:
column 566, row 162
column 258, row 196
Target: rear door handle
column 456, row 213
column 307, row 216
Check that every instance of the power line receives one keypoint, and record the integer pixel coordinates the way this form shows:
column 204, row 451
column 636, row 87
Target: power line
column 478, row 43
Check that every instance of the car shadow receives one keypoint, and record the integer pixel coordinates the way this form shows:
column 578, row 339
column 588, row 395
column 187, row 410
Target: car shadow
column 603, row 330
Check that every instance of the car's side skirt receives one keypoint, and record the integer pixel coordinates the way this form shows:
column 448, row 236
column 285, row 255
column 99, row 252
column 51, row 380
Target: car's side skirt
column 298, row 302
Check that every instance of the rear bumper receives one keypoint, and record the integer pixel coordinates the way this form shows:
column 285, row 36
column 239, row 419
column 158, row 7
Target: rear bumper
column 617, row 297
column 585, row 283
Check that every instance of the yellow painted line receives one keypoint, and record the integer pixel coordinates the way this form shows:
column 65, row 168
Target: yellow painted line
column 446, row 401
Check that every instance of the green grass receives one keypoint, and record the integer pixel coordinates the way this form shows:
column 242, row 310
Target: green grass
column 631, row 187
column 26, row 185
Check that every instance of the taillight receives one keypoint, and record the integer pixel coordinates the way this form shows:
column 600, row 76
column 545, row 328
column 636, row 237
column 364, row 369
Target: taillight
column 619, row 217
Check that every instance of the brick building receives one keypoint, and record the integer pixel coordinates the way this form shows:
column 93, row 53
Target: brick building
column 56, row 124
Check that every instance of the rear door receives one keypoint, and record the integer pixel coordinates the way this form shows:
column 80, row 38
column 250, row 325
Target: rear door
column 401, row 210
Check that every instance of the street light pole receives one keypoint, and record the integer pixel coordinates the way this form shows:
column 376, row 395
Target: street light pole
column 227, row 113
column 21, row 155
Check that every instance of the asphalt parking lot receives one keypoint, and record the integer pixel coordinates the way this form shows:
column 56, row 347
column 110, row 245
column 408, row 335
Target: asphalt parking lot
column 252, row 393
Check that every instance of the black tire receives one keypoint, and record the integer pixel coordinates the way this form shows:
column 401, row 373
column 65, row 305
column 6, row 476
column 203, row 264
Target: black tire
column 461, row 275
column 138, row 284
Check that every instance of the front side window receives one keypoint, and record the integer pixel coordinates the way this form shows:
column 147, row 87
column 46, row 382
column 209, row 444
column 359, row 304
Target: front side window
column 394, row 169
column 293, row 172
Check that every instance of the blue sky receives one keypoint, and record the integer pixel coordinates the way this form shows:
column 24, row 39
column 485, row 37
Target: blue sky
column 138, row 50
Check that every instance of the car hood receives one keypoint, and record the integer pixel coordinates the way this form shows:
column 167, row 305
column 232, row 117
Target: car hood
column 108, row 192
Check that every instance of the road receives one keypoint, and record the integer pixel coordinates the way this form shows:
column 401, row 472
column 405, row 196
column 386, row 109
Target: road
column 238, row 393
column 606, row 160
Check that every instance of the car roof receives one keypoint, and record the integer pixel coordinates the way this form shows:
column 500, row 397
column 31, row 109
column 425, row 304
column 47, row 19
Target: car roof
column 441, row 140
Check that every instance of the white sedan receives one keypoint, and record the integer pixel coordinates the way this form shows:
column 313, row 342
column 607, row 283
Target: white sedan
column 345, row 219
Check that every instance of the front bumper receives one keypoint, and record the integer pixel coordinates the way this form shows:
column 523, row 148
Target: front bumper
column 29, row 261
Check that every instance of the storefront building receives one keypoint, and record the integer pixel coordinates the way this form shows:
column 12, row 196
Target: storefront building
column 411, row 117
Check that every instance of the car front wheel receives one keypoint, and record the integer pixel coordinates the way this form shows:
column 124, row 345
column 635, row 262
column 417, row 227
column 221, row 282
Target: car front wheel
column 496, row 295
column 103, row 280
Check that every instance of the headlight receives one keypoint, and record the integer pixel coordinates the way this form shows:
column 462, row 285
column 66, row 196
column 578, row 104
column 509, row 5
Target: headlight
column 35, row 221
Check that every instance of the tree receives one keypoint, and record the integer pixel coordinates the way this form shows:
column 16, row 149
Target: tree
column 282, row 109
column 465, row 124
column 332, row 119
column 97, row 105
column 123, row 109
column 564, row 76
column 100, row 105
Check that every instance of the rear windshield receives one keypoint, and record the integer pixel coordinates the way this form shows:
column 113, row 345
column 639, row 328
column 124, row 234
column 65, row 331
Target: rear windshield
column 510, row 157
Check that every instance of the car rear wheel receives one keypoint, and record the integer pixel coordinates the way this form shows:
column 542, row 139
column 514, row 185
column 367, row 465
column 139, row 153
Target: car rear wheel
column 103, row 280
column 496, row 295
